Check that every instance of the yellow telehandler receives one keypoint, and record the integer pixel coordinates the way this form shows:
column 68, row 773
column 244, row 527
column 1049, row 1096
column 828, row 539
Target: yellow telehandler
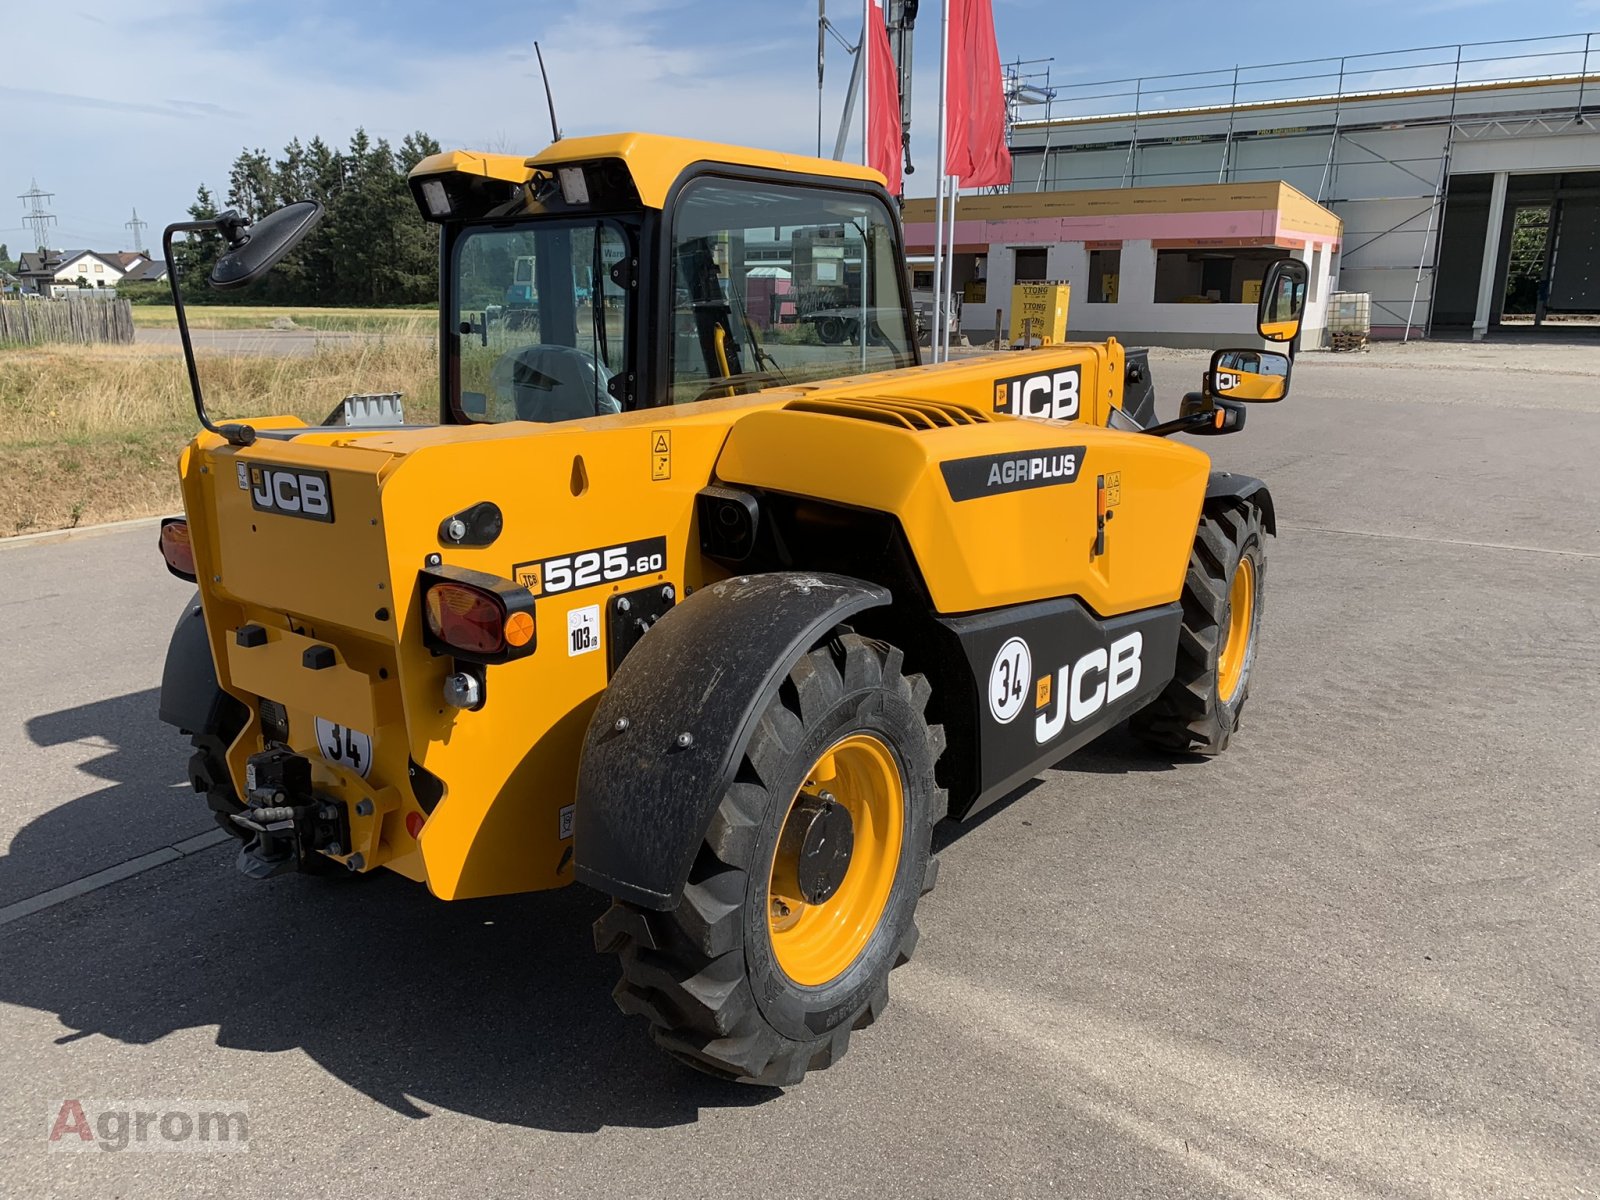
column 685, row 602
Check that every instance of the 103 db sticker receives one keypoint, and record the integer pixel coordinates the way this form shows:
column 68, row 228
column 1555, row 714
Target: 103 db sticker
column 583, row 630
column 587, row 568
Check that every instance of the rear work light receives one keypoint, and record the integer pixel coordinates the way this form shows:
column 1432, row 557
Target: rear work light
column 176, row 548
column 477, row 617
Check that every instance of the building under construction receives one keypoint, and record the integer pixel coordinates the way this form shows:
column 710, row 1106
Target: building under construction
column 1467, row 178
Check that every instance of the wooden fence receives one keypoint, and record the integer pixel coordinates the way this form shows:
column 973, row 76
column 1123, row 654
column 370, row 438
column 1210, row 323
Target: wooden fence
column 91, row 319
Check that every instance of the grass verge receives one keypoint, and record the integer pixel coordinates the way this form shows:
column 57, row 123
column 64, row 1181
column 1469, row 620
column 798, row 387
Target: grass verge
column 420, row 321
column 92, row 433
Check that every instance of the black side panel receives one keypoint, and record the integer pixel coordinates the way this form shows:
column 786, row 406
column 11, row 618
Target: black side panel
column 671, row 727
column 1055, row 678
column 1230, row 485
column 1139, row 388
column 191, row 698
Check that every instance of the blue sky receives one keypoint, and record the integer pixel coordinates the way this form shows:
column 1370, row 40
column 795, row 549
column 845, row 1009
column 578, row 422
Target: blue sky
column 116, row 104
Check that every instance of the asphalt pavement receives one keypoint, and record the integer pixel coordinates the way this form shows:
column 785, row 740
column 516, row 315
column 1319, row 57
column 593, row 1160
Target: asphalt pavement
column 1355, row 956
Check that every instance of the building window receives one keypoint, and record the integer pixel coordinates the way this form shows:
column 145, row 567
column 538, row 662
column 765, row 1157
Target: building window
column 1032, row 264
column 1314, row 287
column 1208, row 276
column 1105, row 271
column 99, row 268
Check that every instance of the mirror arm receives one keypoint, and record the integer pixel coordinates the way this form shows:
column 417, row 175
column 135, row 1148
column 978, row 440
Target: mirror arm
column 1195, row 420
column 237, row 435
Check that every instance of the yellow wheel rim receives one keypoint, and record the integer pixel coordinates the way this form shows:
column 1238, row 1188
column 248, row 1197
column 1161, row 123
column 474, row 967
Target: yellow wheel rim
column 1236, row 639
column 817, row 942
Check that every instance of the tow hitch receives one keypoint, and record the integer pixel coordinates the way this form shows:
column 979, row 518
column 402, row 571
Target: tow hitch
column 288, row 823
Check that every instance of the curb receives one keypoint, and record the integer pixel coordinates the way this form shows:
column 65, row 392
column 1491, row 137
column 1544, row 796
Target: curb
column 65, row 535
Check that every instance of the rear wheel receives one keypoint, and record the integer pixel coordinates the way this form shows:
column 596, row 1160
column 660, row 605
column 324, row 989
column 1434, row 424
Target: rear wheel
column 803, row 895
column 208, row 768
column 1199, row 710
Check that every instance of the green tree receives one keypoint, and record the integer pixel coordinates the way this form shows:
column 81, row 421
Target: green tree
column 5, row 260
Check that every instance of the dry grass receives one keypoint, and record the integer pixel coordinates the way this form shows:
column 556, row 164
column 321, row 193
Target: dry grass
column 92, row 433
column 421, row 321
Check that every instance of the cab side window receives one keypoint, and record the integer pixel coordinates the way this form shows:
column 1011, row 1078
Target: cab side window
column 778, row 283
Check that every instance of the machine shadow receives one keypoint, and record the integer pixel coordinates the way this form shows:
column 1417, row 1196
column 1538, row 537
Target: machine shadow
column 146, row 804
column 497, row 1008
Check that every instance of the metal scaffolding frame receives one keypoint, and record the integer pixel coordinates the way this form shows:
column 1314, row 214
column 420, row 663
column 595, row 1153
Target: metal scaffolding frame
column 1207, row 107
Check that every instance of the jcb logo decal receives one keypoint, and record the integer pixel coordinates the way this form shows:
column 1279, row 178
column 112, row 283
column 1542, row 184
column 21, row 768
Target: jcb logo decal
column 1052, row 395
column 294, row 493
column 1083, row 688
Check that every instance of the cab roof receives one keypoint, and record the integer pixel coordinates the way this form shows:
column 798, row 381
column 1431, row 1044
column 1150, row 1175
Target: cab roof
column 653, row 160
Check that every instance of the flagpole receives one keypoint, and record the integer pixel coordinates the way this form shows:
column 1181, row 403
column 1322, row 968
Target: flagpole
column 866, row 84
column 934, row 339
column 950, row 264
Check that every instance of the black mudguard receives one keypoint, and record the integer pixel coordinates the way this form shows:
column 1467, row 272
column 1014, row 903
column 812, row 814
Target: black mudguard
column 1230, row 485
column 669, row 731
column 191, row 697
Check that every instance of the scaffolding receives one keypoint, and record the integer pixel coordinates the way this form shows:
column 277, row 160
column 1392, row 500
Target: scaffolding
column 1339, row 114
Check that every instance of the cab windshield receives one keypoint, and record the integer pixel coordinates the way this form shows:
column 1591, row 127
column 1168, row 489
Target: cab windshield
column 541, row 329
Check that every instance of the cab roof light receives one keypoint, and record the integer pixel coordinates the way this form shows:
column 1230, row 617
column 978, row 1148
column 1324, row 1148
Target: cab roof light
column 436, row 198
column 177, row 548
column 574, row 187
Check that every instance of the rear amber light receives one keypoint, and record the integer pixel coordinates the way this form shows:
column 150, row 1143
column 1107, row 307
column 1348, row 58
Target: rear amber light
column 468, row 619
column 519, row 629
column 177, row 550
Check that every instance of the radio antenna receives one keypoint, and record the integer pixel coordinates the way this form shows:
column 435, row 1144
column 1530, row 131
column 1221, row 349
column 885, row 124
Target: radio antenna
column 555, row 130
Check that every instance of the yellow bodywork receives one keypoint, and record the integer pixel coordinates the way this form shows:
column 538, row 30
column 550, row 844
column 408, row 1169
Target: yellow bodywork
column 510, row 767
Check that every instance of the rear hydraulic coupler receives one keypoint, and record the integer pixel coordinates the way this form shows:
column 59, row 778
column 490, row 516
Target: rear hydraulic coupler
column 287, row 822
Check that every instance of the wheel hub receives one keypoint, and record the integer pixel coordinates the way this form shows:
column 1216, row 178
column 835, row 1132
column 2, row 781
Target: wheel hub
column 818, row 838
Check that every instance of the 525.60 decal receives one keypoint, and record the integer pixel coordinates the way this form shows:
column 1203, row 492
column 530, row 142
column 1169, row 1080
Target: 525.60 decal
column 586, row 568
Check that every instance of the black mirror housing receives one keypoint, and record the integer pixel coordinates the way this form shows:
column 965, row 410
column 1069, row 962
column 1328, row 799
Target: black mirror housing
column 1256, row 376
column 1283, row 300
column 253, row 250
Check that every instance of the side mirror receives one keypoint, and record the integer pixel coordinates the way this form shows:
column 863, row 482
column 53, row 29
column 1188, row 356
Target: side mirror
column 1259, row 375
column 253, row 250
column 1283, row 300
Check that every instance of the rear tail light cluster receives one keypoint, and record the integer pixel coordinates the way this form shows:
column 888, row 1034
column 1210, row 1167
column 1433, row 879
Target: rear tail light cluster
column 177, row 550
column 477, row 617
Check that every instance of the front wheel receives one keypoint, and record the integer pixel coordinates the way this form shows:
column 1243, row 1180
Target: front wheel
column 1199, row 710
column 803, row 896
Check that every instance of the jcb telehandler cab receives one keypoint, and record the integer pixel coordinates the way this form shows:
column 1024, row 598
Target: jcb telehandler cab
column 685, row 602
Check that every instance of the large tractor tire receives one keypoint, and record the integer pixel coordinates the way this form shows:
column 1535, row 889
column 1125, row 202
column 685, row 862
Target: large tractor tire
column 1198, row 712
column 803, row 895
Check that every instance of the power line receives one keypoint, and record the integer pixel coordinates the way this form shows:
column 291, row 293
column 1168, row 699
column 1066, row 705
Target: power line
column 37, row 219
column 137, row 228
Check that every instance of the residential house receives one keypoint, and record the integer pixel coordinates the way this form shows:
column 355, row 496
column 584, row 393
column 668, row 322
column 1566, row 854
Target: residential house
column 54, row 272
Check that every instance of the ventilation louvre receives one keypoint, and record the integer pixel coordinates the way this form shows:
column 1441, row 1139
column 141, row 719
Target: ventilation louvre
column 903, row 412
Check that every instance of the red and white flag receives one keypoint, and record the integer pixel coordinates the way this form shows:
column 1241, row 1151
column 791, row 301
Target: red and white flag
column 975, row 114
column 883, row 100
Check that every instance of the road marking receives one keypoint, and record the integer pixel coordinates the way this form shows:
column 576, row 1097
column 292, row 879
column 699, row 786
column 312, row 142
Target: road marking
column 116, row 874
column 1414, row 537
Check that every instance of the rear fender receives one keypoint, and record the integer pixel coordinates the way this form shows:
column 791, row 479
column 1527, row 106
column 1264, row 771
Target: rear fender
column 191, row 697
column 671, row 727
